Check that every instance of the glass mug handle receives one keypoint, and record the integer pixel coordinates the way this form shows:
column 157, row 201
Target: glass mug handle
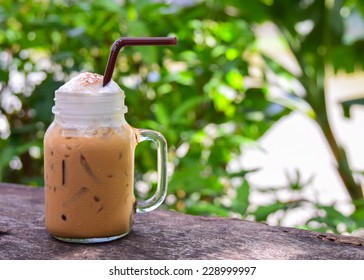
column 161, row 192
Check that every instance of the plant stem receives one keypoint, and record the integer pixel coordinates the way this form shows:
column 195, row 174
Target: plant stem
column 354, row 189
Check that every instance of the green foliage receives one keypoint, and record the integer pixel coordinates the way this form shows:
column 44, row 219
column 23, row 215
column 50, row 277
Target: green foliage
column 316, row 34
column 194, row 93
column 199, row 94
column 329, row 219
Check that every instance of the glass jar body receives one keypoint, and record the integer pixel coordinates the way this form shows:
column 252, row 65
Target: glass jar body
column 89, row 179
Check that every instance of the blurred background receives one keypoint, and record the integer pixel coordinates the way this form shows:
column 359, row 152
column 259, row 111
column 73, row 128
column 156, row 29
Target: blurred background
column 261, row 101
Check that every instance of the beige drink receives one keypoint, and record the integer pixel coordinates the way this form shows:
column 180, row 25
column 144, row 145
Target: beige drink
column 89, row 163
column 89, row 179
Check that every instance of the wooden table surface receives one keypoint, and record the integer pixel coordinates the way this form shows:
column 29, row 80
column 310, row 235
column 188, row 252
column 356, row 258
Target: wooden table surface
column 163, row 235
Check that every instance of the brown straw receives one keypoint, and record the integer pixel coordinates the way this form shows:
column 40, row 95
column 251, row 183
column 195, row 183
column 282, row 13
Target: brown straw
column 129, row 41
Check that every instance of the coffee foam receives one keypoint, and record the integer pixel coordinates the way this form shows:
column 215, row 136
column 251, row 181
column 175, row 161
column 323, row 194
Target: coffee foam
column 88, row 83
column 83, row 103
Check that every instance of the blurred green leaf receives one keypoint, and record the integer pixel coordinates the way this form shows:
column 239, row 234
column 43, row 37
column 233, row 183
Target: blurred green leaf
column 235, row 79
column 347, row 104
column 262, row 212
column 207, row 209
column 240, row 203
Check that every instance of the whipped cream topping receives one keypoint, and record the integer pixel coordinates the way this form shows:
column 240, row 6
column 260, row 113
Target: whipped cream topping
column 83, row 103
column 88, row 83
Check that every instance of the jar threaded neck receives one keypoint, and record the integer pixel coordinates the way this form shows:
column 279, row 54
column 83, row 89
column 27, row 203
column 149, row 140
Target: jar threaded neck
column 80, row 110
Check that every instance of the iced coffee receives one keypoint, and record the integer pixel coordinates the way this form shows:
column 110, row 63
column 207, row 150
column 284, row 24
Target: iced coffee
column 89, row 163
column 89, row 157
